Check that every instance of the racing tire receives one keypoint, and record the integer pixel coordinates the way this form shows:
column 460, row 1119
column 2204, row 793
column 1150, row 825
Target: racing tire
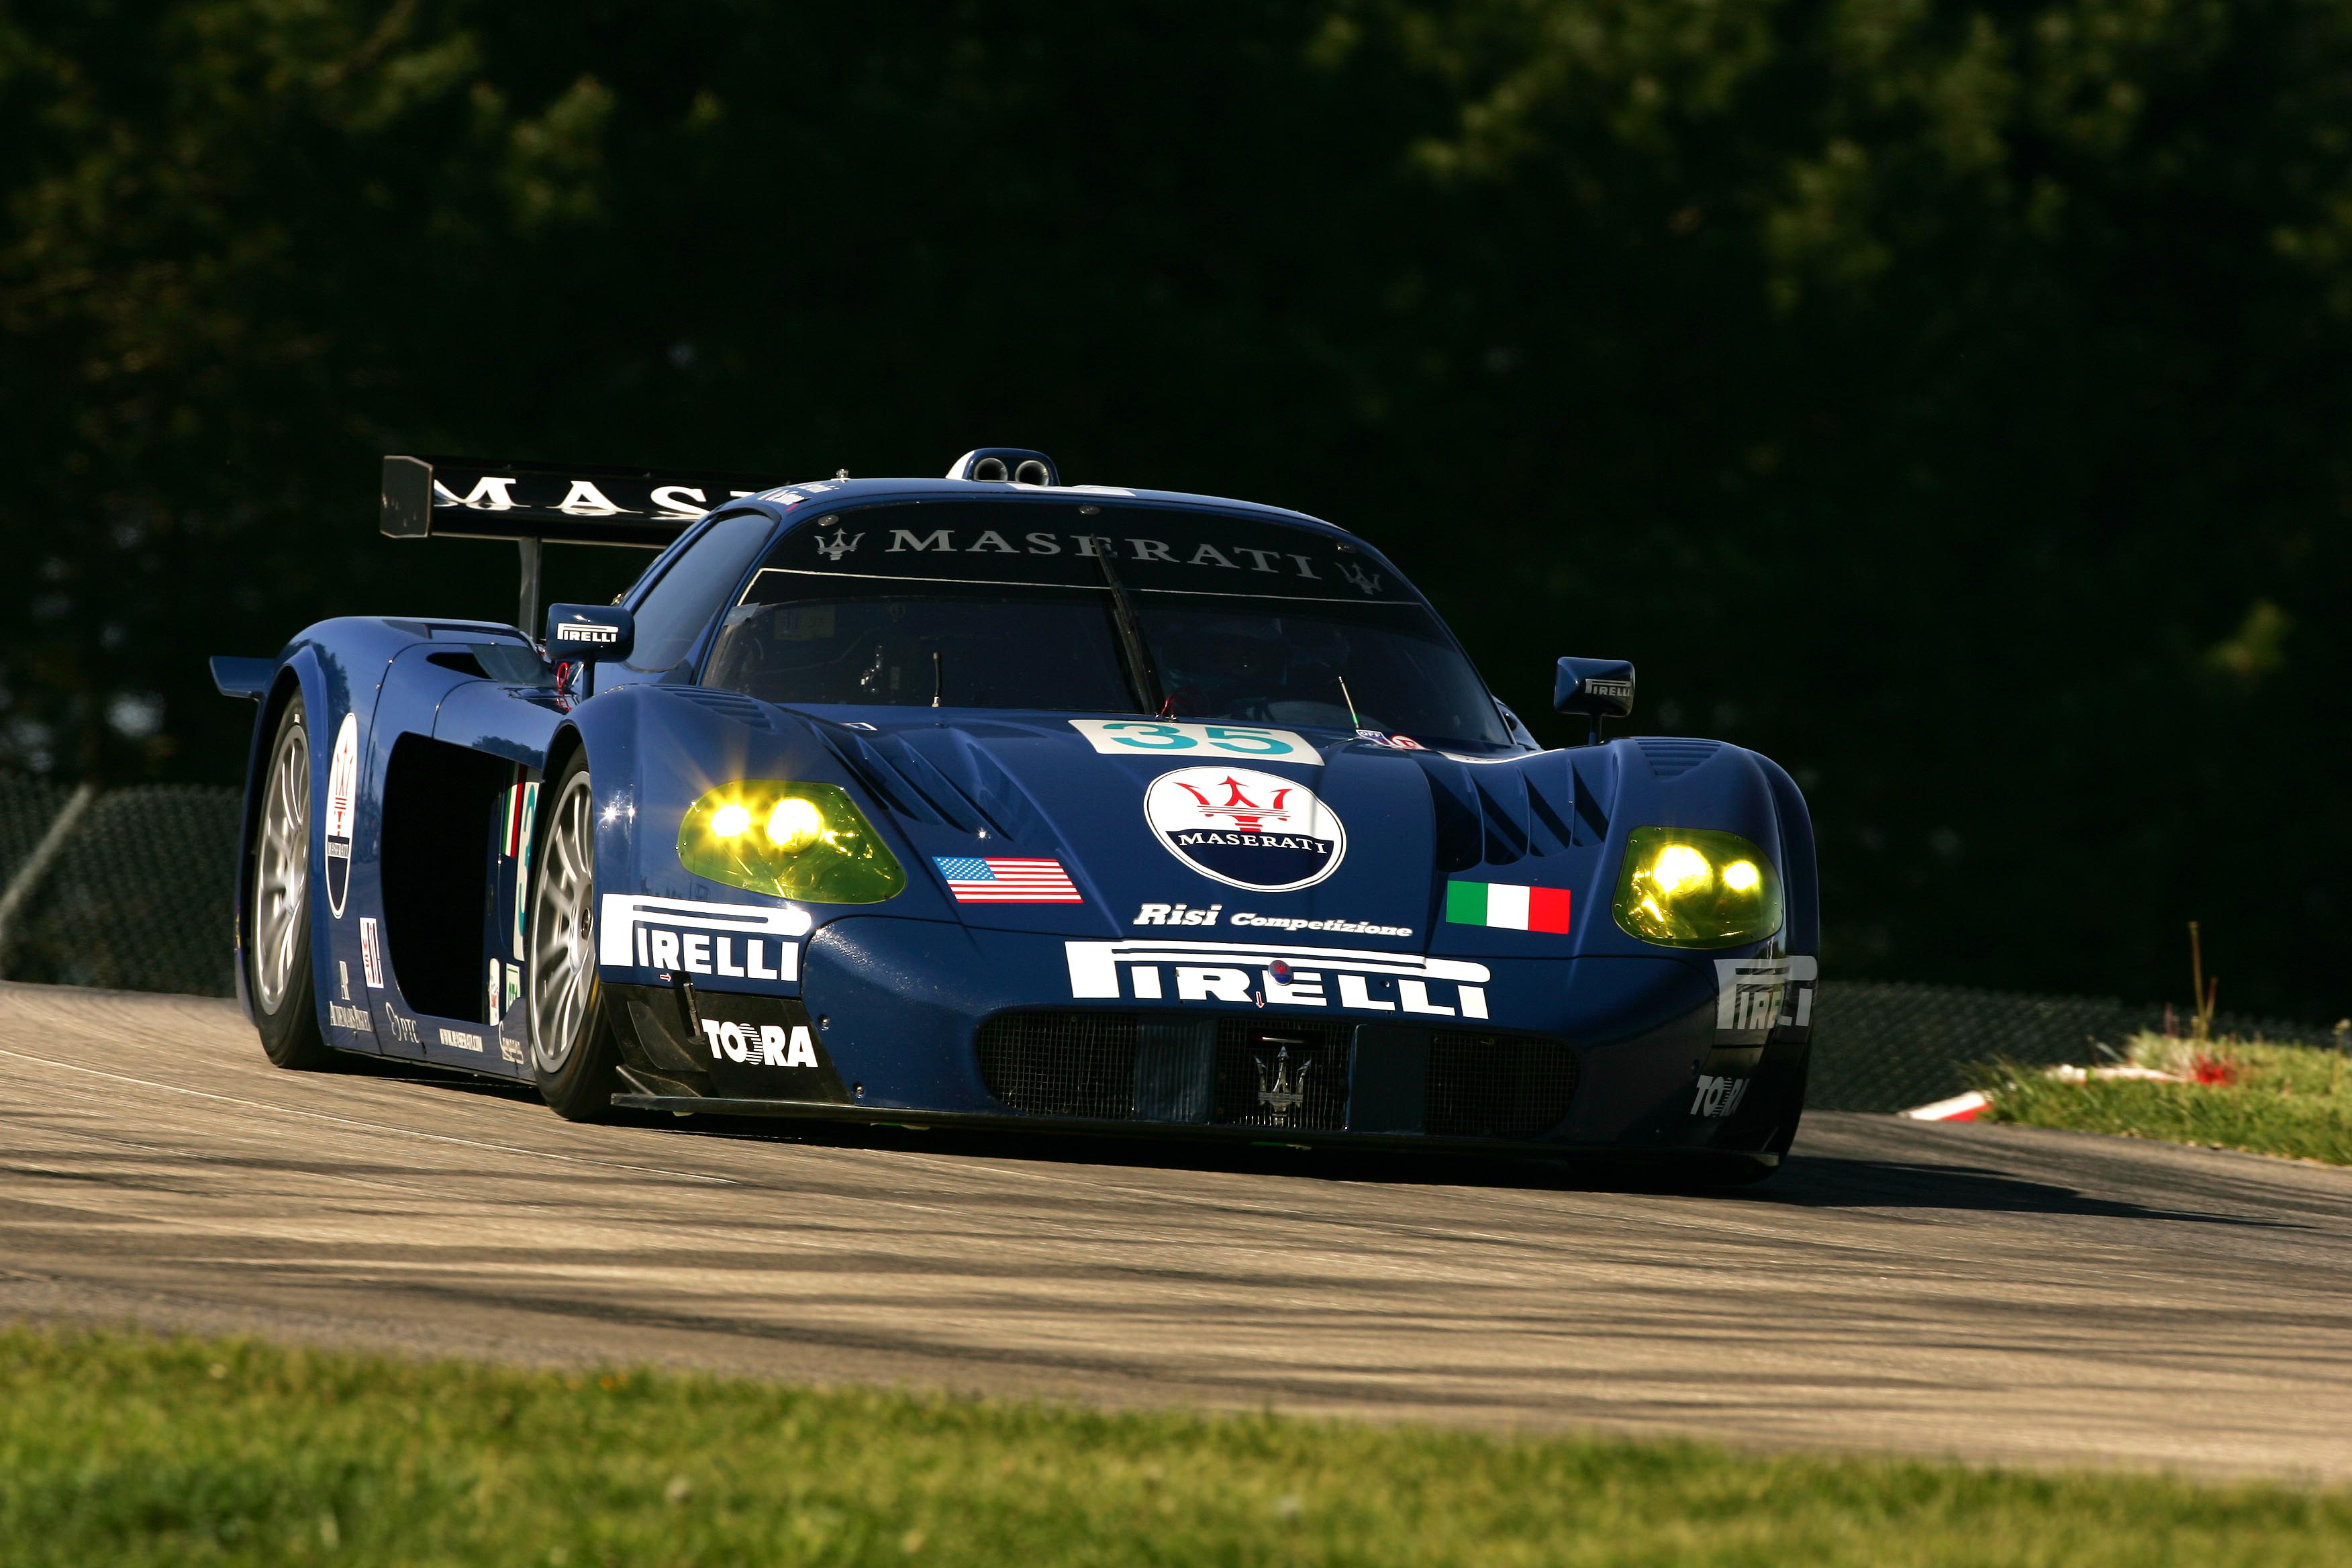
column 278, row 893
column 574, row 1059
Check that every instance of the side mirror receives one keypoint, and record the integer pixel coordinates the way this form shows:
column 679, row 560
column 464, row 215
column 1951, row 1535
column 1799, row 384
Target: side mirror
column 587, row 633
column 1597, row 688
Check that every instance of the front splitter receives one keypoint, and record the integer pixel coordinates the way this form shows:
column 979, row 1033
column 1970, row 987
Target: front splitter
column 1285, row 1137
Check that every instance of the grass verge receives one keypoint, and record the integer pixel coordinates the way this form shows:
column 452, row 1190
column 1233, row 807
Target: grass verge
column 121, row 1449
column 2293, row 1100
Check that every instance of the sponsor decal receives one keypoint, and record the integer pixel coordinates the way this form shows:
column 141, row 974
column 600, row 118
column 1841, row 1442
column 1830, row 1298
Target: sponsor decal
column 1718, row 1095
column 762, row 1044
column 1395, row 743
column 510, row 1050
column 1131, row 737
column 514, row 986
column 342, row 809
column 370, row 953
column 1612, row 690
column 343, row 1015
column 498, row 988
column 522, row 809
column 1176, row 915
column 842, row 542
column 1246, row 829
column 343, row 978
column 582, row 497
column 587, row 631
column 1320, row 978
column 401, row 1029
column 1337, row 927
column 461, row 1039
column 994, row 879
column 1243, row 560
column 1506, row 907
column 1755, row 996
column 735, row 941
column 1279, row 1093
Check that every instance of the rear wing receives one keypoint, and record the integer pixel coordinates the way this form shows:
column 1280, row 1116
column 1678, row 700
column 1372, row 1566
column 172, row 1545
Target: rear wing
column 544, row 504
column 473, row 497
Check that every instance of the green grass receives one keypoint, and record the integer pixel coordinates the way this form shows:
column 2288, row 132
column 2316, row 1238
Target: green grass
column 116, row 1449
column 2286, row 1099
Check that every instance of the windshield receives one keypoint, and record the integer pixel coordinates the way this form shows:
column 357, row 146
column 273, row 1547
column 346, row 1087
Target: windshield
column 978, row 605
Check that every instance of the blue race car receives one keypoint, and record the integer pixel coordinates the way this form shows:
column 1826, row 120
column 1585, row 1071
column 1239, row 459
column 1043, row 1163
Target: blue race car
column 995, row 801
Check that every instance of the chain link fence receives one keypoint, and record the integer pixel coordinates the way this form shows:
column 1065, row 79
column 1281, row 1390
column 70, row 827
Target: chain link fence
column 131, row 889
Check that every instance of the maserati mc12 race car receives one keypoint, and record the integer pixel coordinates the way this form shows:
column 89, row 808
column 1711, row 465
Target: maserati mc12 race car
column 997, row 801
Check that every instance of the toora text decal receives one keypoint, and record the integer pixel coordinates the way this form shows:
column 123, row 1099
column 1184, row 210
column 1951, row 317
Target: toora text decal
column 763, row 1045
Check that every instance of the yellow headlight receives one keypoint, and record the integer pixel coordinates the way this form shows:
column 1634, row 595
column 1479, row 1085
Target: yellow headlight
column 1679, row 868
column 815, row 844
column 1691, row 887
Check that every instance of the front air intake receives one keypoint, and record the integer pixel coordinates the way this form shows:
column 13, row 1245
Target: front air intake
column 1060, row 1064
column 1496, row 1086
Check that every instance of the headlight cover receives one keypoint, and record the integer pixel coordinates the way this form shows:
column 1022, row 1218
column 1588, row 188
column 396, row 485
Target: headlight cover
column 790, row 840
column 1692, row 887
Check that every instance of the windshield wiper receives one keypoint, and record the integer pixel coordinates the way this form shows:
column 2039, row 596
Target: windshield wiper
column 1140, row 673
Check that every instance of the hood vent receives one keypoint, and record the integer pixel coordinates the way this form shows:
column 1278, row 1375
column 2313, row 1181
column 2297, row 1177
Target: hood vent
column 1496, row 815
column 886, row 783
column 1671, row 758
column 961, row 765
column 746, row 711
column 947, row 781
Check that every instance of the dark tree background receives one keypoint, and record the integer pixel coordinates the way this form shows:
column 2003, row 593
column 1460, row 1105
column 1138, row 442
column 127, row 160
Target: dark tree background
column 1950, row 401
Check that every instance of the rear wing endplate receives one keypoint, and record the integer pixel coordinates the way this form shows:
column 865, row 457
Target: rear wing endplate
column 472, row 497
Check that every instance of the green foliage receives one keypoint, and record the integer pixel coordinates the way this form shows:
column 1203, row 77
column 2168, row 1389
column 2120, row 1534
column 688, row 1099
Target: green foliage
column 126, row 1450
column 1948, row 400
column 2290, row 1100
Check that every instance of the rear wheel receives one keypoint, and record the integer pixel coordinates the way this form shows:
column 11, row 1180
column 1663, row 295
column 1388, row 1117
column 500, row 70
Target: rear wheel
column 574, row 1059
column 278, row 899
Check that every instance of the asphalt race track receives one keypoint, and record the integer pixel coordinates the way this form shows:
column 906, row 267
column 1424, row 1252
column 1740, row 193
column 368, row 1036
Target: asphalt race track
column 1996, row 1293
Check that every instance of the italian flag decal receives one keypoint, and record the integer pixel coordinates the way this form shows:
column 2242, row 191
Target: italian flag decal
column 1511, row 907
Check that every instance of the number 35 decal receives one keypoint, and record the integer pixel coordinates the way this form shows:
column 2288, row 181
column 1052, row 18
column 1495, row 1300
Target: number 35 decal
column 1147, row 737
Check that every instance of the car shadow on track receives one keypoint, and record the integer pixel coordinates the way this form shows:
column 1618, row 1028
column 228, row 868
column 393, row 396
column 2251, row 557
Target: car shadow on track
column 1804, row 1181
column 1823, row 1181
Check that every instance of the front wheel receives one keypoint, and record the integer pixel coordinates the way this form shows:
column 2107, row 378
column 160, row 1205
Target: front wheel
column 574, row 1059
column 278, row 904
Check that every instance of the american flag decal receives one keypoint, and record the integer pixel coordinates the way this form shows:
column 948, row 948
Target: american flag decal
column 975, row 881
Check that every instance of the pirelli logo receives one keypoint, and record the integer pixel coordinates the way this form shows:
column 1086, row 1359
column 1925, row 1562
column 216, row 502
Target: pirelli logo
column 734, row 941
column 1326, row 979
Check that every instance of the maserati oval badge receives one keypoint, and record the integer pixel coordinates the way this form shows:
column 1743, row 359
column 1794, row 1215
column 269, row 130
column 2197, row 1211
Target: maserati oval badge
column 1246, row 829
column 342, row 802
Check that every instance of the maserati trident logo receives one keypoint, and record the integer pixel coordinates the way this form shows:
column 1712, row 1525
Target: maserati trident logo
column 1279, row 1092
column 1370, row 582
column 842, row 542
column 1245, row 829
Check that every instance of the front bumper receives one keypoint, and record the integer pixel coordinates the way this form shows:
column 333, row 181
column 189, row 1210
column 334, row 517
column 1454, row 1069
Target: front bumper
column 926, row 1023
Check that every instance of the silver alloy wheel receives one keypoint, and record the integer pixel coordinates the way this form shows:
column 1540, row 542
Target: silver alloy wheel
column 563, row 929
column 281, row 876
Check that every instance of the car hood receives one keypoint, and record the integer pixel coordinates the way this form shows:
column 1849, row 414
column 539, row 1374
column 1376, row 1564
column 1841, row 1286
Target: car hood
column 1333, row 840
